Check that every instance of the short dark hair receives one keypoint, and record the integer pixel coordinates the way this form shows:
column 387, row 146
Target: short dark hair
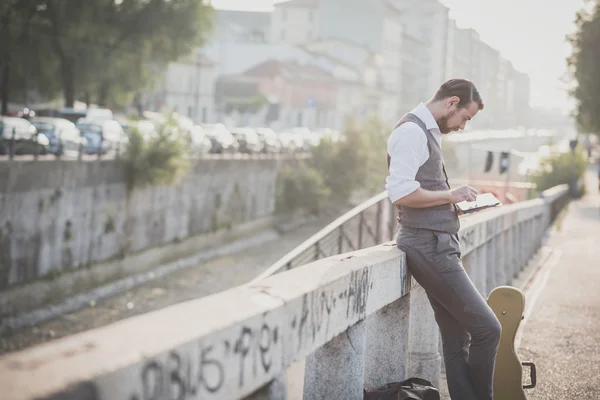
column 464, row 89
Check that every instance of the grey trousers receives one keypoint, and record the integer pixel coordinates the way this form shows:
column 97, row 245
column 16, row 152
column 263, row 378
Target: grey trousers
column 470, row 330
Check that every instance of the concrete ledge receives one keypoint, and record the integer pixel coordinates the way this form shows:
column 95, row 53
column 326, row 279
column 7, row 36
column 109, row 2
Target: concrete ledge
column 222, row 346
column 230, row 345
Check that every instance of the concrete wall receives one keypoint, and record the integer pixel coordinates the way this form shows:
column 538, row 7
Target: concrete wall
column 357, row 318
column 60, row 216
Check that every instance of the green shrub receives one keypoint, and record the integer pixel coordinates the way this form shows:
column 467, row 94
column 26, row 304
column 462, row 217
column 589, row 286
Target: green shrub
column 301, row 187
column 356, row 163
column 160, row 160
column 557, row 169
column 337, row 170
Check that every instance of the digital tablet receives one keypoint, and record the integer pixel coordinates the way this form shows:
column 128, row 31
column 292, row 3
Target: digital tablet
column 483, row 201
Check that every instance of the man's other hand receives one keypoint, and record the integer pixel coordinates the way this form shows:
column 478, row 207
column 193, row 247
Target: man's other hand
column 463, row 193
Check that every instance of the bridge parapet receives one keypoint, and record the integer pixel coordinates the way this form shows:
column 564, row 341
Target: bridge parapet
column 358, row 319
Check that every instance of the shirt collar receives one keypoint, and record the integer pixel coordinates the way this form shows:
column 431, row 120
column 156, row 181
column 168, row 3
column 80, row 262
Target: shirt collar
column 426, row 116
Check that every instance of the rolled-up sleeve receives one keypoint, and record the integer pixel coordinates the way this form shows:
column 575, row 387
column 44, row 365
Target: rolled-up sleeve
column 407, row 147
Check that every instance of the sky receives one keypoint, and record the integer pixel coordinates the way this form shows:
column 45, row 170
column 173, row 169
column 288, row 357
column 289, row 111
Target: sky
column 530, row 33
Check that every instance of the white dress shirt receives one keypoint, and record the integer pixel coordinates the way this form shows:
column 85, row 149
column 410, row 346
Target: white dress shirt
column 407, row 147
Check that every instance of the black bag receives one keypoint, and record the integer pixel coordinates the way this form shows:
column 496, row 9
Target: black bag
column 410, row 389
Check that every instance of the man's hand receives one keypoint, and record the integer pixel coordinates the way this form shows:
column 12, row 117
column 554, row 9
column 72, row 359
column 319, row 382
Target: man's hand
column 463, row 193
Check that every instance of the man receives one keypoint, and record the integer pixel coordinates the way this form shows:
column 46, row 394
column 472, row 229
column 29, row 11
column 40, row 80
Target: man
column 418, row 185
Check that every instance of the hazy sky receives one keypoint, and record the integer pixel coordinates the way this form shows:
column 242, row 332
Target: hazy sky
column 530, row 33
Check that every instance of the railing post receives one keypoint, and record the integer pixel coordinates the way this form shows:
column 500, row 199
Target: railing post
column 424, row 356
column 340, row 238
column 361, row 224
column 500, row 254
column 521, row 247
column 491, row 266
column 36, row 146
column 11, row 153
column 388, row 332
column 336, row 370
column 514, row 244
column 392, row 221
column 80, row 151
column 317, row 251
column 378, row 222
column 274, row 390
column 475, row 265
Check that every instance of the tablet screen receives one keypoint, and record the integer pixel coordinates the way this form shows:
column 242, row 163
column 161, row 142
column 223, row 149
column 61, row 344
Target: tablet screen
column 483, row 201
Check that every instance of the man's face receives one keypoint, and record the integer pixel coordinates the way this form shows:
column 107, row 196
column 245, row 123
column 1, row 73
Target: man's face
column 456, row 117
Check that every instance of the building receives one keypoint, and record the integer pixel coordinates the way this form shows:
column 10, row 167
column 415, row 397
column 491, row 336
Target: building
column 487, row 83
column 392, row 53
column 187, row 87
column 241, row 27
column 295, row 22
column 294, row 95
column 437, row 23
column 462, row 59
column 522, row 92
column 356, row 71
column 358, row 75
column 375, row 25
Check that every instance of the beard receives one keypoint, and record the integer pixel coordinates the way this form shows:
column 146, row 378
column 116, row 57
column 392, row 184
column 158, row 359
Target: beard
column 443, row 123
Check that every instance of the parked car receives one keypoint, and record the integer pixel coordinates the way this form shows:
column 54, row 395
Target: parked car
column 63, row 135
column 25, row 136
column 146, row 128
column 248, row 140
column 75, row 114
column 308, row 138
column 269, row 140
column 291, row 142
column 102, row 136
column 222, row 140
column 199, row 141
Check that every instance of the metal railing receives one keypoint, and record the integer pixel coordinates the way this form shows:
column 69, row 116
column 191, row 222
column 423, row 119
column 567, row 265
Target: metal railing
column 370, row 223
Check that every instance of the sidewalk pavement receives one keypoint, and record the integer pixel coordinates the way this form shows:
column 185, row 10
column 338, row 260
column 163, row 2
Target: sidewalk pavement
column 561, row 331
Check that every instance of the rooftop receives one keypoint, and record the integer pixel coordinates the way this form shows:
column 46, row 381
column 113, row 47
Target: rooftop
column 297, row 3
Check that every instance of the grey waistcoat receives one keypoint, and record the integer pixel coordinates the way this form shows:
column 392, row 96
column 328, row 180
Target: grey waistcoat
column 432, row 176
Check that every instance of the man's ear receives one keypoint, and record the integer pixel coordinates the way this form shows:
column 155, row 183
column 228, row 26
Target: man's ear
column 452, row 101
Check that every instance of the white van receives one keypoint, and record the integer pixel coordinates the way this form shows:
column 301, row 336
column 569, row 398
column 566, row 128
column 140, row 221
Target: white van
column 102, row 135
column 74, row 115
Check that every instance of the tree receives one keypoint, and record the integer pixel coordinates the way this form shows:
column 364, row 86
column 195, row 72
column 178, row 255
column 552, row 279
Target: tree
column 584, row 64
column 102, row 44
column 137, row 39
column 22, row 55
column 558, row 169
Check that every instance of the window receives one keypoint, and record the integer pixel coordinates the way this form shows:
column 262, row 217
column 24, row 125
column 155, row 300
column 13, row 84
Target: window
column 284, row 14
column 204, row 114
column 190, row 111
column 311, row 15
column 310, row 35
column 283, row 34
